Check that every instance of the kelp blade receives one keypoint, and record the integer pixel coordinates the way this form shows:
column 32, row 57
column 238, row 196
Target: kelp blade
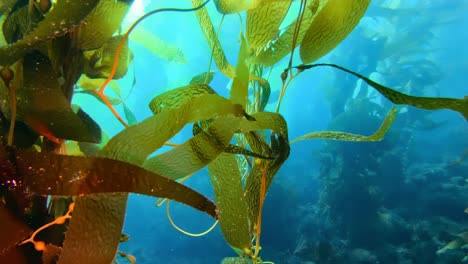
column 157, row 46
column 343, row 136
column 177, row 97
column 263, row 22
column 51, row 174
column 195, row 153
column 101, row 23
column 233, row 214
column 429, row 103
column 333, row 23
column 240, row 84
column 43, row 105
column 213, row 42
column 283, row 45
column 64, row 16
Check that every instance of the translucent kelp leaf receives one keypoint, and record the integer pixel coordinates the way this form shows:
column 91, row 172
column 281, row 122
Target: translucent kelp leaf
column 213, row 41
column 263, row 22
column 283, row 46
column 87, row 83
column 343, row 136
column 177, row 97
column 131, row 119
column 333, row 23
column 265, row 91
column 429, row 103
column 233, row 214
column 43, row 106
column 63, row 16
column 102, row 23
column 233, row 6
column 240, row 84
column 99, row 63
column 195, row 153
column 157, row 46
column 203, row 78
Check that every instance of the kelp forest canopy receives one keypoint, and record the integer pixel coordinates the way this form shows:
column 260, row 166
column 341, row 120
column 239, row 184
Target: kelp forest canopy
column 59, row 168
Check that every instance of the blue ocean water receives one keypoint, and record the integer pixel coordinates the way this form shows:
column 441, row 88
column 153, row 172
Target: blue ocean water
column 400, row 200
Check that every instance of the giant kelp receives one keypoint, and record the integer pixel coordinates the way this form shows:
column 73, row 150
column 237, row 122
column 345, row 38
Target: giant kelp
column 74, row 41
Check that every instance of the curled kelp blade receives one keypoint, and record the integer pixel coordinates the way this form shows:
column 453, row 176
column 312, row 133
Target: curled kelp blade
column 197, row 152
column 51, row 174
column 344, row 136
column 200, row 150
column 262, row 23
column 177, row 97
column 98, row 63
column 236, row 204
column 278, row 148
column 137, row 142
column 203, row 78
column 101, row 23
column 44, row 107
column 429, row 103
column 64, row 16
column 331, row 25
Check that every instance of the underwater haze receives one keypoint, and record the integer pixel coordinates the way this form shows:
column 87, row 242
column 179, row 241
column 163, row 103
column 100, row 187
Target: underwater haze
column 384, row 180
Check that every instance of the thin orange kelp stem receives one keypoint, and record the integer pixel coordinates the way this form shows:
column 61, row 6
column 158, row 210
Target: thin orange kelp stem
column 284, row 75
column 259, row 217
column 100, row 91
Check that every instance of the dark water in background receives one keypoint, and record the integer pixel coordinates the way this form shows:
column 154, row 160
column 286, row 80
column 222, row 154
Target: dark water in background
column 395, row 201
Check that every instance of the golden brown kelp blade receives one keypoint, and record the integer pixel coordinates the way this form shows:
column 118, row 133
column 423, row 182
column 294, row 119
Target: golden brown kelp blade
column 262, row 23
column 240, row 84
column 235, row 204
column 177, row 97
column 233, row 215
column 343, row 136
column 158, row 46
column 51, row 174
column 195, row 153
column 233, row 6
column 43, row 106
column 101, row 23
column 98, row 63
column 64, row 16
column 332, row 24
column 213, row 42
column 283, row 46
column 429, row 103
column 203, row 78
